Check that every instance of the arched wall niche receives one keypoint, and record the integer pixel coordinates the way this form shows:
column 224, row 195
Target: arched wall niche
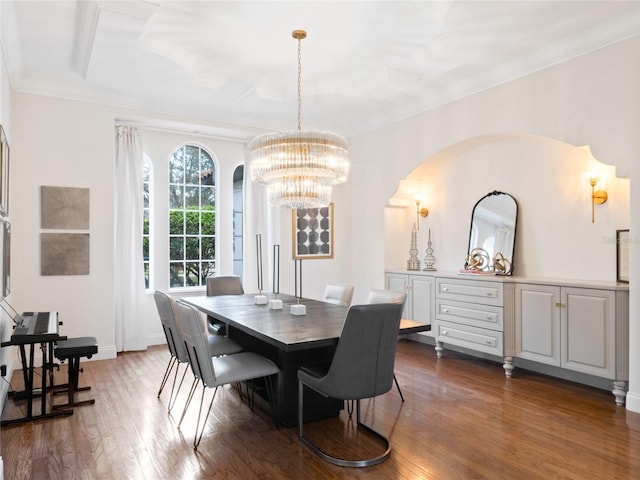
column 550, row 181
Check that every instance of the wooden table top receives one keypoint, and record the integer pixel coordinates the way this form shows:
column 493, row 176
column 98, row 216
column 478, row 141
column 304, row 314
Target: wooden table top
column 320, row 326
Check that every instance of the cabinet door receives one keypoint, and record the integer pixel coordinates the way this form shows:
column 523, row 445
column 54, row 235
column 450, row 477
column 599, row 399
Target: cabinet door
column 399, row 282
column 421, row 291
column 538, row 323
column 588, row 331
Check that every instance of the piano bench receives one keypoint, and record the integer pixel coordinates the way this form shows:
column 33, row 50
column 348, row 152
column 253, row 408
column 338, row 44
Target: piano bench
column 73, row 349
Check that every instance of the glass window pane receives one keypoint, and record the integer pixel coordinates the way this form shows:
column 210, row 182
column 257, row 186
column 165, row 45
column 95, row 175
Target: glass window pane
column 192, row 248
column 192, row 165
column 238, row 227
column 145, row 248
column 207, row 169
column 207, row 196
column 176, row 248
column 145, row 222
column 192, row 226
column 176, row 274
column 176, row 196
column 208, row 251
column 208, row 223
column 193, row 274
column 176, row 166
column 208, row 270
column 191, row 197
column 146, row 275
column 176, row 222
column 145, row 194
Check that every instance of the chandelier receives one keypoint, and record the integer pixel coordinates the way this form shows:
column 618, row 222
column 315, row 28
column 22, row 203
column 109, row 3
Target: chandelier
column 299, row 167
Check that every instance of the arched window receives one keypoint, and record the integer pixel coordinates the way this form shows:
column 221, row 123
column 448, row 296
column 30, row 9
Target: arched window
column 192, row 219
column 238, row 220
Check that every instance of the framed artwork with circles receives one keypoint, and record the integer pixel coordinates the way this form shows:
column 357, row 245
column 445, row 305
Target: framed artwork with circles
column 312, row 232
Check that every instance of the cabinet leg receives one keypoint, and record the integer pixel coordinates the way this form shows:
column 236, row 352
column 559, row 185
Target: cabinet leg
column 439, row 349
column 619, row 391
column 508, row 366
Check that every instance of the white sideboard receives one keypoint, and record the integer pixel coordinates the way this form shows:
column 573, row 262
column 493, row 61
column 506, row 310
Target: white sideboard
column 420, row 303
column 571, row 326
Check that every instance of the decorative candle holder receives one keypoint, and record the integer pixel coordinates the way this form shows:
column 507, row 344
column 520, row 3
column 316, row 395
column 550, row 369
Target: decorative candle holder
column 259, row 299
column 429, row 259
column 276, row 304
column 298, row 308
column 413, row 263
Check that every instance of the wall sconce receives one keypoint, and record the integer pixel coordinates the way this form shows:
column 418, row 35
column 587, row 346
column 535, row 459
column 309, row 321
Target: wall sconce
column 420, row 212
column 597, row 196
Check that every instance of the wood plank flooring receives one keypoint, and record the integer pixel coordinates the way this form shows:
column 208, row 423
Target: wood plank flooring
column 462, row 419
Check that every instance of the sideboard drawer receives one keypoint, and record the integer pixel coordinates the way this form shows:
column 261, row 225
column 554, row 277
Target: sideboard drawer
column 482, row 316
column 483, row 292
column 470, row 337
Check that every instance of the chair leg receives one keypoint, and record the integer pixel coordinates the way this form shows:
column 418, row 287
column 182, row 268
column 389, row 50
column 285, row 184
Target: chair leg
column 341, row 461
column 398, row 386
column 192, row 390
column 172, row 397
column 198, row 437
column 167, row 372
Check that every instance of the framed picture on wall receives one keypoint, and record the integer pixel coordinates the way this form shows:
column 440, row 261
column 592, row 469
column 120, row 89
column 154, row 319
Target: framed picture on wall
column 622, row 255
column 312, row 232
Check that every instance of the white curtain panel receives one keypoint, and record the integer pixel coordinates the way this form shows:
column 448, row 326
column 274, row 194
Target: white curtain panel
column 128, row 270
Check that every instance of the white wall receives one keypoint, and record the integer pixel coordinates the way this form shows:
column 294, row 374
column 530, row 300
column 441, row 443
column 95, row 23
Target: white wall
column 6, row 357
column 71, row 144
column 548, row 179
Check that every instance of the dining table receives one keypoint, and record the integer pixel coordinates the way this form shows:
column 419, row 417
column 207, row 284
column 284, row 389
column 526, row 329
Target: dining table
column 289, row 340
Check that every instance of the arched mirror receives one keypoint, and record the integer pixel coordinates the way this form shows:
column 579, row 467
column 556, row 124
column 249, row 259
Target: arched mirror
column 493, row 234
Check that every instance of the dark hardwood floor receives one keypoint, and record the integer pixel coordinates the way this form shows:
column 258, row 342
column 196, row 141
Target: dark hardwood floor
column 462, row 419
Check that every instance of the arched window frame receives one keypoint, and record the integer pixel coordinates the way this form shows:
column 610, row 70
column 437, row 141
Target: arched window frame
column 198, row 258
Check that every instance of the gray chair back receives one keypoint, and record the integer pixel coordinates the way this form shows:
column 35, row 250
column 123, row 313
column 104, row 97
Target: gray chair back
column 166, row 308
column 229, row 285
column 362, row 366
column 338, row 294
column 386, row 296
column 194, row 335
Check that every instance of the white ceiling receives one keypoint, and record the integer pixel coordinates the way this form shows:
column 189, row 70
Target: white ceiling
column 364, row 63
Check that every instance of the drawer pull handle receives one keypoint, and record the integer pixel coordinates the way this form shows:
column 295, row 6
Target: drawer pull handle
column 488, row 342
column 445, row 310
column 445, row 289
column 488, row 317
column 444, row 332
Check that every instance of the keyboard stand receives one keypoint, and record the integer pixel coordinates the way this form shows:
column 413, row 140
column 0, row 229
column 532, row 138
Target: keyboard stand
column 29, row 392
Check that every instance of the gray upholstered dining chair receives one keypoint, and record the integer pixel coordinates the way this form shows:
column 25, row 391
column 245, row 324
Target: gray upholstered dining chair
column 216, row 344
column 362, row 367
column 222, row 285
column 338, row 294
column 214, row 372
column 389, row 296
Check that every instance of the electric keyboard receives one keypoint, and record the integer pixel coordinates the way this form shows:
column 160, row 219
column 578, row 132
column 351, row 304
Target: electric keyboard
column 34, row 327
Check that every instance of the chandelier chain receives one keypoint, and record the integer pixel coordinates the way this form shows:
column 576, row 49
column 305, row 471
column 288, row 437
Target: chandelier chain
column 299, row 84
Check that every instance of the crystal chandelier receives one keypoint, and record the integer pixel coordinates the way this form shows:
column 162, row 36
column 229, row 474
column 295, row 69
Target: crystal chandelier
column 299, row 167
